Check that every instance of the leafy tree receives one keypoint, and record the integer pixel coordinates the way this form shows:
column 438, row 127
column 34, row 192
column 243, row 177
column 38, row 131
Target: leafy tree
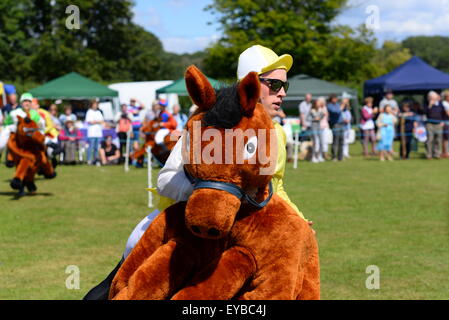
column 434, row 50
column 302, row 28
column 390, row 56
column 36, row 46
column 348, row 55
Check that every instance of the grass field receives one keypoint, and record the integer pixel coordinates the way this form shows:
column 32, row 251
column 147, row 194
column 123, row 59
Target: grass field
column 394, row 215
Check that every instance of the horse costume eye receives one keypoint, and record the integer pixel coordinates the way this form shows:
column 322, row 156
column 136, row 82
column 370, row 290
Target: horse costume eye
column 250, row 148
column 27, row 120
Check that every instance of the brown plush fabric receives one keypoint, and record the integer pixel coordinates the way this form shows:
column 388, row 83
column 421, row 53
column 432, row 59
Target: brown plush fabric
column 27, row 150
column 150, row 129
column 268, row 253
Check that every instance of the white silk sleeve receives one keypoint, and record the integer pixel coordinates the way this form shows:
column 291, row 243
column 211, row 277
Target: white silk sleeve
column 172, row 181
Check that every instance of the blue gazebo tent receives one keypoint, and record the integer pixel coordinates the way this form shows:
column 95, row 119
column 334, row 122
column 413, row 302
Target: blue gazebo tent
column 412, row 77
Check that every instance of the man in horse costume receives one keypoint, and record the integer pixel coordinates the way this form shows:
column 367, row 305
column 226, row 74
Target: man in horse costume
column 26, row 147
column 158, row 136
column 233, row 238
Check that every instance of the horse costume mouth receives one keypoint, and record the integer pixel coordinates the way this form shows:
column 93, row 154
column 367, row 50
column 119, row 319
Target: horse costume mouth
column 218, row 230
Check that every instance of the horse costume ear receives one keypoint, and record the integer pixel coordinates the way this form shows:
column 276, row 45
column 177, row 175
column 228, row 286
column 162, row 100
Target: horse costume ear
column 200, row 89
column 20, row 119
column 249, row 92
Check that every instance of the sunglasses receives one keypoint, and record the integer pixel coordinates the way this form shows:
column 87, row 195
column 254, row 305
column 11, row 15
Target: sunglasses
column 275, row 84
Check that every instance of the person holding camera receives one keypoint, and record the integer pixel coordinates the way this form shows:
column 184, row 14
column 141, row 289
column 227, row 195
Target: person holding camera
column 337, row 125
column 123, row 122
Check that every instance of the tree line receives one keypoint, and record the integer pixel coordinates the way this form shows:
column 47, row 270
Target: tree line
column 36, row 46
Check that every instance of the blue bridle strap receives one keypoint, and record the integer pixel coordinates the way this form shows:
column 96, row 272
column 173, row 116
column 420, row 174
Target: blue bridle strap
column 230, row 188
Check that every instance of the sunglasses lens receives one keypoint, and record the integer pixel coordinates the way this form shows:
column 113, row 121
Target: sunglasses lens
column 276, row 85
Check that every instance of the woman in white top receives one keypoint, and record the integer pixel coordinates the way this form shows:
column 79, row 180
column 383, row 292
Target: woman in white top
column 95, row 121
column 367, row 126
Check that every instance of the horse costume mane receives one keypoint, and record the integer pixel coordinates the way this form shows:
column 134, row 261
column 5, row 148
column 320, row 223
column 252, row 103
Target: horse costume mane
column 233, row 238
column 27, row 150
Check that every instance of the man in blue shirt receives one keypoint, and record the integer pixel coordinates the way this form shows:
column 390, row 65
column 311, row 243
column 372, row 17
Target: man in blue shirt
column 12, row 105
column 337, row 125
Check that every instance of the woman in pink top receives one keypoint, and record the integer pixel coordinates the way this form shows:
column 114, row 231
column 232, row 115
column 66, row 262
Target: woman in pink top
column 367, row 126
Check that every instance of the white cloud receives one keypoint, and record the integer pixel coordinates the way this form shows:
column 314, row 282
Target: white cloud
column 149, row 19
column 187, row 45
column 401, row 18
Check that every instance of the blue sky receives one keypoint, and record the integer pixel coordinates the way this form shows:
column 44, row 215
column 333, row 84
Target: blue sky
column 182, row 26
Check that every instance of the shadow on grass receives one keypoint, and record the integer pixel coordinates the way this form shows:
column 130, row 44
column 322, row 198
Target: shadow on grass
column 16, row 195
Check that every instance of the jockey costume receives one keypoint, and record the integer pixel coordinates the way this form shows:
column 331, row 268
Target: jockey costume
column 174, row 186
column 11, row 121
column 168, row 123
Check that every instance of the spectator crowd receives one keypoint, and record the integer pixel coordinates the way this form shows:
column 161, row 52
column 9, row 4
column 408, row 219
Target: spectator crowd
column 409, row 122
column 324, row 121
column 92, row 140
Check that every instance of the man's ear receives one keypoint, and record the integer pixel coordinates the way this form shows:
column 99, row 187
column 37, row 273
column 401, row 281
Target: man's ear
column 249, row 92
column 199, row 88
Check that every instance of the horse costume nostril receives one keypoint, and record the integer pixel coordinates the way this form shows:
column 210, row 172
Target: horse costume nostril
column 195, row 229
column 213, row 232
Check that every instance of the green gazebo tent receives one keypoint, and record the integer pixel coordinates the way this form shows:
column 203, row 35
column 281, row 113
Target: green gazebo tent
column 179, row 87
column 302, row 84
column 73, row 86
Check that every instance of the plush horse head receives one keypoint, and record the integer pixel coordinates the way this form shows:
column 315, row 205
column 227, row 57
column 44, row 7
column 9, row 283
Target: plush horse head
column 150, row 129
column 28, row 134
column 229, row 153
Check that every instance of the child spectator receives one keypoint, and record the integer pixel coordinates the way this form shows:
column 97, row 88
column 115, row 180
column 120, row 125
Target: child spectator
column 385, row 123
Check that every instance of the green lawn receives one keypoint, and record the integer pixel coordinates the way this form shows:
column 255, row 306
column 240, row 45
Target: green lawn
column 394, row 215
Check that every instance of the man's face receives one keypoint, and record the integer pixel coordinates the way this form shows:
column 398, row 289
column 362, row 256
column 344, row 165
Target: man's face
column 270, row 99
column 13, row 98
column 308, row 97
column 132, row 102
column 434, row 97
column 389, row 95
column 26, row 105
column 35, row 105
